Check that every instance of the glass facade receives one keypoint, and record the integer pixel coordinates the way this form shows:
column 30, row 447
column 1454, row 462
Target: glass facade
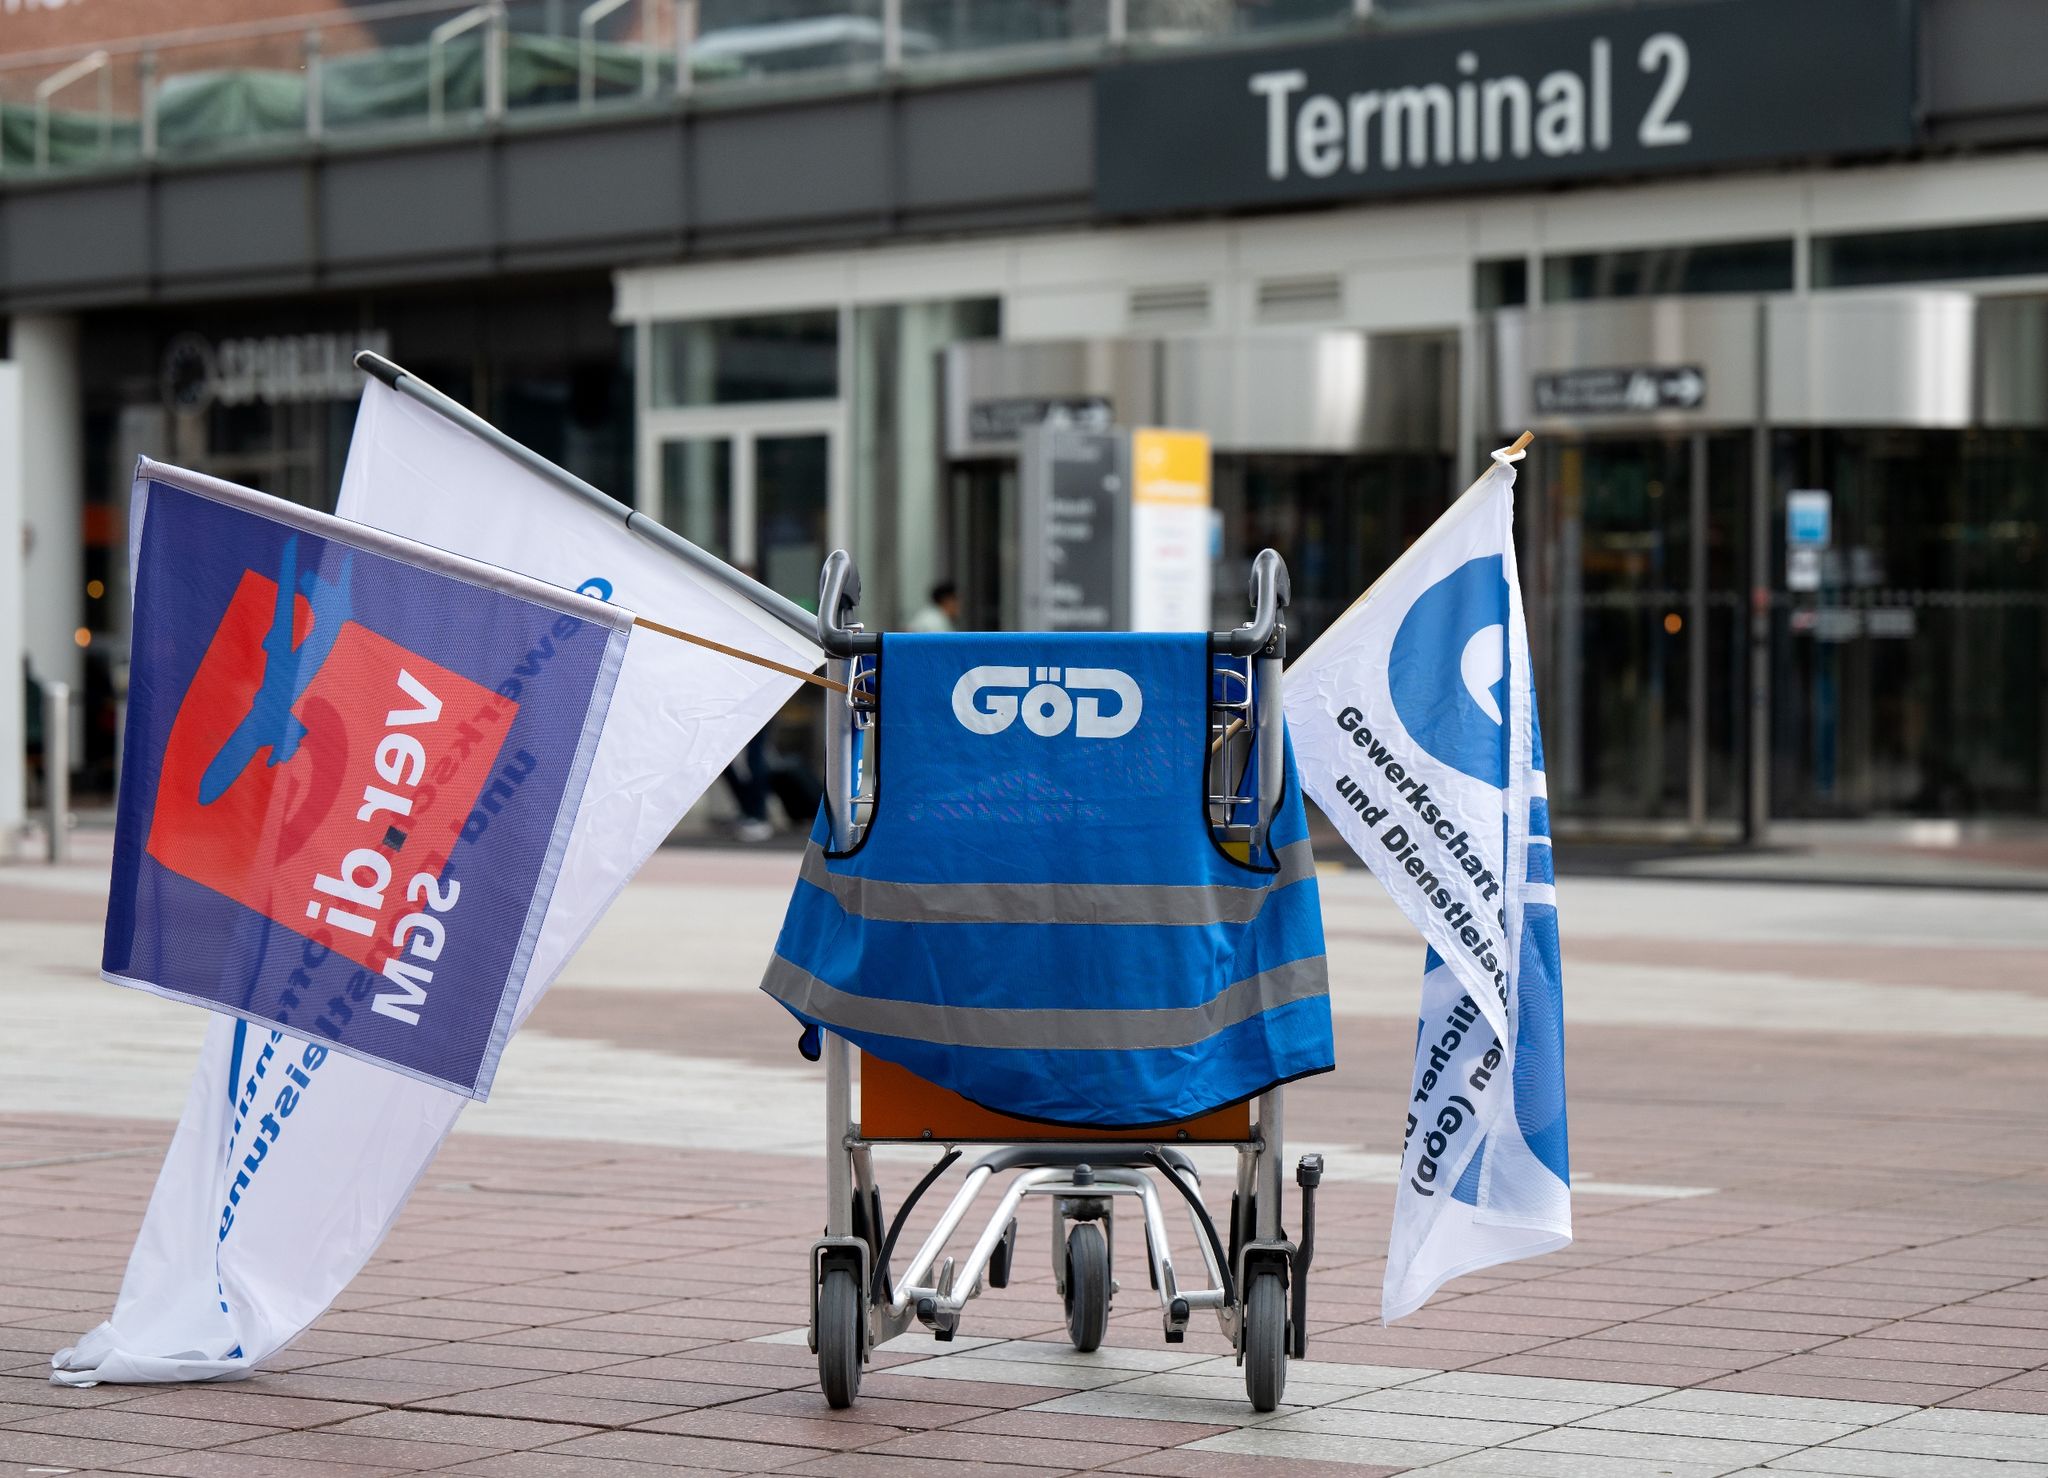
column 736, row 361
column 1711, row 267
column 901, row 500
column 1634, row 552
column 1947, row 254
column 1339, row 520
column 1908, row 673
column 1912, row 681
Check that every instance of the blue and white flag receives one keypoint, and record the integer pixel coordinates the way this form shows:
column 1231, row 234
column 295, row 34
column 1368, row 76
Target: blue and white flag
column 292, row 1161
column 1414, row 724
column 330, row 746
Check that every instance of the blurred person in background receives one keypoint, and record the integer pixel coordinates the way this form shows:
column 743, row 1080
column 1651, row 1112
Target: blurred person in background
column 941, row 612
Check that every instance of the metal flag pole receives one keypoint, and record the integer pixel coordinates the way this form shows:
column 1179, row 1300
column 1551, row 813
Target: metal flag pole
column 783, row 609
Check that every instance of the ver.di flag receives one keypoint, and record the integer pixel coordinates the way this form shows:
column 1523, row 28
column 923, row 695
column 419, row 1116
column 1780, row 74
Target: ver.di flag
column 199, row 1303
column 1414, row 723
column 322, row 758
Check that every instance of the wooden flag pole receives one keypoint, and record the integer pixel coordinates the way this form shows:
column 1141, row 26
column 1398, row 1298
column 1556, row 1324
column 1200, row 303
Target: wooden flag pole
column 704, row 641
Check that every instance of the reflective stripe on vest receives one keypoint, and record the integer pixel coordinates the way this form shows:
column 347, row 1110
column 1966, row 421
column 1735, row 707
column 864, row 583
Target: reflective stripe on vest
column 1173, row 904
column 1046, row 1029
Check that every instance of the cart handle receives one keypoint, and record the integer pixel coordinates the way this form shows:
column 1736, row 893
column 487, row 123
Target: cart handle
column 1270, row 593
column 838, row 596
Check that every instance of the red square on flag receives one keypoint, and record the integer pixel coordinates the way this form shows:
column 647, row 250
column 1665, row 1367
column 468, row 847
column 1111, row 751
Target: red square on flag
column 376, row 792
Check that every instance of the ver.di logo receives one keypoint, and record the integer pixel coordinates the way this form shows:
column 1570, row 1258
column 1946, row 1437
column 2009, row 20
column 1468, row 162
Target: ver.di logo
column 288, row 670
column 1461, row 619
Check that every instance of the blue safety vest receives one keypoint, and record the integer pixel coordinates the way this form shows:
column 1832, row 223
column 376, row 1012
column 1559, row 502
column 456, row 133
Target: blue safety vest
column 1038, row 916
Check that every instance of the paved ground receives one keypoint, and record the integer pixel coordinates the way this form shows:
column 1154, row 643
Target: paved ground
column 1812, row 1200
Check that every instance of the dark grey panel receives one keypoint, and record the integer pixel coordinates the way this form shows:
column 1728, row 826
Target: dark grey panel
column 1985, row 56
column 1022, row 140
column 421, row 203
column 813, row 162
column 593, row 184
column 235, row 221
column 76, row 237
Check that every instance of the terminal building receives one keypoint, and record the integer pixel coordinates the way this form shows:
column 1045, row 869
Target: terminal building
column 1768, row 278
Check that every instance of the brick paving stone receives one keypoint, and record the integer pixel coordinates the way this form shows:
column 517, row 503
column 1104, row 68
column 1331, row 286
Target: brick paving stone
column 609, row 1386
column 1403, row 1426
column 522, row 1404
column 775, row 1427
column 1006, row 1448
column 1652, row 1446
column 1523, row 1463
column 868, row 1465
column 690, row 1452
column 322, row 1446
column 1772, row 1383
column 240, row 1405
column 1030, row 1423
column 1856, row 1464
column 1329, row 1447
column 966, row 1391
column 1186, row 1463
column 720, row 1369
column 123, row 1424
column 1415, row 1401
column 1899, row 1437
column 2002, row 1398
column 1215, row 1411
column 496, row 1432
column 250, row 1465
column 912, row 1415
column 557, row 1465
column 74, row 1452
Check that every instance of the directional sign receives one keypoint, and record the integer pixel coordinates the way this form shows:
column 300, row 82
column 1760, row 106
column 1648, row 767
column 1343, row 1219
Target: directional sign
column 1621, row 390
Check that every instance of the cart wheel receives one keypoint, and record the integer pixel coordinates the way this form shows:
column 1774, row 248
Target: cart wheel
column 1087, row 1286
column 839, row 1320
column 1265, row 1340
column 999, row 1260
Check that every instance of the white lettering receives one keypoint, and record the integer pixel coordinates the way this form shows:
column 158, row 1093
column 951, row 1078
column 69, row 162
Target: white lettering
column 1428, row 113
column 1561, row 116
column 398, row 753
column 411, row 981
column 1275, row 87
column 429, row 708
column 1318, row 130
column 1665, row 52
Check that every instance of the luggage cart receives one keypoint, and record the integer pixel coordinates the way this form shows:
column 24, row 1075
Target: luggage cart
column 1252, row 1275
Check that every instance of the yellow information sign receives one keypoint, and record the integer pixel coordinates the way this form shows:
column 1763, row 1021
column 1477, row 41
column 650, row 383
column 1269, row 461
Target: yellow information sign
column 1170, row 467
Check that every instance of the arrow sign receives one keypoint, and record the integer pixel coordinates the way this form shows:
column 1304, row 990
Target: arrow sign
column 1620, row 390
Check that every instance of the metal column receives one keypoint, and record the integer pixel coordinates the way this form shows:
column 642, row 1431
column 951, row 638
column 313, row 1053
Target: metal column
column 1696, row 642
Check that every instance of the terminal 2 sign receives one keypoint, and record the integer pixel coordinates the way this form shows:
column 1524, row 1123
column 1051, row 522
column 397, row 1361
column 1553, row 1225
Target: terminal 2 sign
column 1608, row 92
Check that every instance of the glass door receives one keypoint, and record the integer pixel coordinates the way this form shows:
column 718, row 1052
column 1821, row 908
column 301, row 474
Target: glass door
column 756, row 488
column 1637, row 617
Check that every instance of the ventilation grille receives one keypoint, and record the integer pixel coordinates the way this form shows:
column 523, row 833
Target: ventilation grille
column 1182, row 306
column 1300, row 299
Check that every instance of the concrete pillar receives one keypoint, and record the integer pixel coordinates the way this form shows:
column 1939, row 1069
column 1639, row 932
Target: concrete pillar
column 12, row 718
column 52, row 463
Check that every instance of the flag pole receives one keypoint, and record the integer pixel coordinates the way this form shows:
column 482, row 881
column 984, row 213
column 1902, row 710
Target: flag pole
column 718, row 646
column 1510, row 453
column 781, row 607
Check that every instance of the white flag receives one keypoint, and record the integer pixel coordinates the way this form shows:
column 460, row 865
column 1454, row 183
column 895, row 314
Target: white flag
column 208, row 1295
column 1414, row 724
